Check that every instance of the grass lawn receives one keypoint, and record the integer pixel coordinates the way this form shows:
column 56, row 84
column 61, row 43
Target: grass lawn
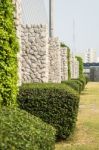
column 86, row 136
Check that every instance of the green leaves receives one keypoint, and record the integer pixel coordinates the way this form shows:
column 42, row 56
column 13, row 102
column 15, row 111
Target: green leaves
column 22, row 131
column 68, row 61
column 8, row 54
column 73, row 84
column 81, row 67
column 56, row 104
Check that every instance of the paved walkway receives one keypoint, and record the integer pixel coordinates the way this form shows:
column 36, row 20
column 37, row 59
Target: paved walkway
column 86, row 136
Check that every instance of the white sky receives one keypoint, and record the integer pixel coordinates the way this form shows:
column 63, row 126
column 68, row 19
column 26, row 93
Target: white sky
column 86, row 16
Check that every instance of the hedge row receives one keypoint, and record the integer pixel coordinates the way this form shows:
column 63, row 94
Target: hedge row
column 77, row 84
column 20, row 130
column 74, row 84
column 56, row 104
column 86, row 79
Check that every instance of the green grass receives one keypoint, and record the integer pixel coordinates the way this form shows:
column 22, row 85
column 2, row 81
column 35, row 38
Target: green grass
column 79, row 147
column 86, row 136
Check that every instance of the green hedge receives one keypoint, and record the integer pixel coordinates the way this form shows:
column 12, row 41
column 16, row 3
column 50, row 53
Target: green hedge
column 81, row 82
column 20, row 130
column 8, row 54
column 56, row 104
column 87, row 79
column 73, row 84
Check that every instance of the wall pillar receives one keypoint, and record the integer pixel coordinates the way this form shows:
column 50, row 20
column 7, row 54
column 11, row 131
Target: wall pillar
column 34, row 53
column 54, row 60
column 64, row 64
column 17, row 18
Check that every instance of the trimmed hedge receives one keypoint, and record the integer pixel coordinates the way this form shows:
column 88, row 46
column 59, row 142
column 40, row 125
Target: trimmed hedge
column 83, row 81
column 76, row 84
column 8, row 54
column 87, row 79
column 20, row 130
column 82, row 78
column 56, row 104
column 73, row 84
column 80, row 84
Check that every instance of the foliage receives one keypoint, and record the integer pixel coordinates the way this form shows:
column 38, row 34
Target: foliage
column 73, row 84
column 80, row 84
column 63, row 45
column 68, row 60
column 87, row 79
column 22, row 131
column 56, row 104
column 8, row 54
column 77, row 84
column 80, row 60
column 83, row 81
column 88, row 122
column 82, row 78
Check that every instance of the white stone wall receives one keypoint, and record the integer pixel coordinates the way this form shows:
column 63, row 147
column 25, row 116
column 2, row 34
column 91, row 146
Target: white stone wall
column 17, row 18
column 34, row 53
column 54, row 60
column 40, row 59
column 74, row 67
column 64, row 66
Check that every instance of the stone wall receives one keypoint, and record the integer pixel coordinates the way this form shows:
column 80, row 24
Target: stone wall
column 17, row 19
column 54, row 60
column 40, row 59
column 64, row 66
column 34, row 53
column 74, row 67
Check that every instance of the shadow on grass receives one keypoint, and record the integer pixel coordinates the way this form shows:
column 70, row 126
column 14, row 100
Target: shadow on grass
column 84, row 93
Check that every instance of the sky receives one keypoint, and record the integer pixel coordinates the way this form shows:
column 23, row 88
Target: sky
column 85, row 14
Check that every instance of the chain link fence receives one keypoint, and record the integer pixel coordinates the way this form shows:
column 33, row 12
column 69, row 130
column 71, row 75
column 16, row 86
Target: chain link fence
column 34, row 12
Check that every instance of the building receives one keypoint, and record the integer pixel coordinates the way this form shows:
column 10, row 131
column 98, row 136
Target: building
column 97, row 59
column 90, row 56
column 92, row 71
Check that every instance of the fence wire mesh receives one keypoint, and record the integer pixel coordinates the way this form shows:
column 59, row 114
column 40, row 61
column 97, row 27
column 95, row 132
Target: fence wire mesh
column 34, row 12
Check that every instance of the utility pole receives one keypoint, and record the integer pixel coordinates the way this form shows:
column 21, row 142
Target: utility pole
column 74, row 39
column 51, row 18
